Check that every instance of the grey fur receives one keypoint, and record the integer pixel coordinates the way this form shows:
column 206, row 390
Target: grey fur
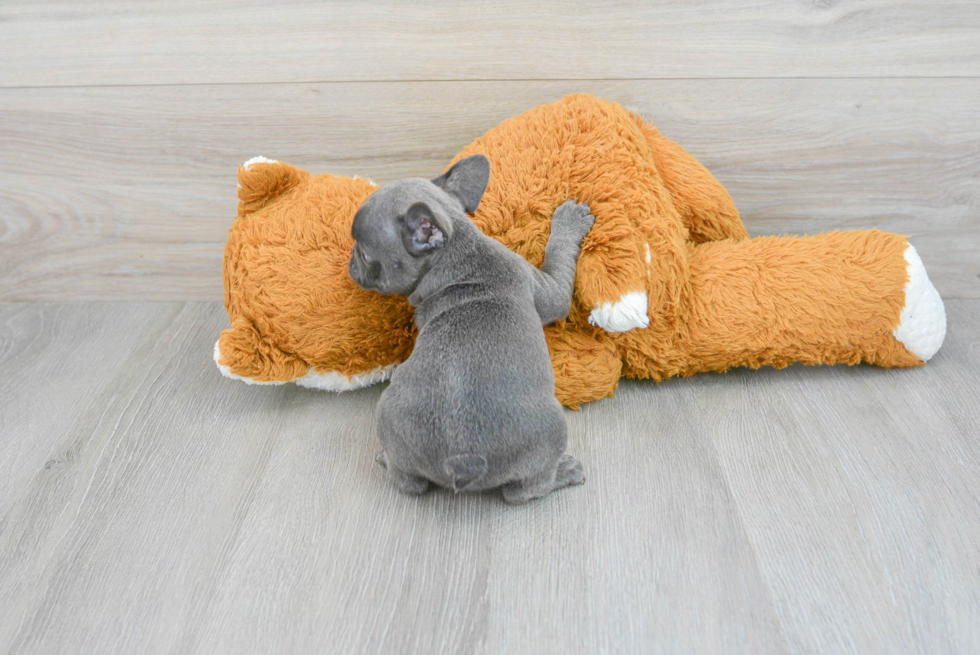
column 474, row 406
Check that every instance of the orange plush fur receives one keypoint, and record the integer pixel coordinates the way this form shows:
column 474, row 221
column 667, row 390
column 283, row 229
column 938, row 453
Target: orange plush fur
column 666, row 233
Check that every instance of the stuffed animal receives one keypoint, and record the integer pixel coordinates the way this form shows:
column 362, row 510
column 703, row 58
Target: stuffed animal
column 668, row 281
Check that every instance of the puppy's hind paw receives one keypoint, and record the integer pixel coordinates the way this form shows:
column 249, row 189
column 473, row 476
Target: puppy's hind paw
column 570, row 472
column 409, row 484
column 406, row 482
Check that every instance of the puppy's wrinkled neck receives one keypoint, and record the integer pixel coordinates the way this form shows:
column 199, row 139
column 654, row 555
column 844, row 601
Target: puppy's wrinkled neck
column 458, row 264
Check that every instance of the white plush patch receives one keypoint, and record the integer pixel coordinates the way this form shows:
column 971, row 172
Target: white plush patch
column 922, row 326
column 646, row 247
column 365, row 178
column 627, row 313
column 258, row 160
column 334, row 381
column 331, row 381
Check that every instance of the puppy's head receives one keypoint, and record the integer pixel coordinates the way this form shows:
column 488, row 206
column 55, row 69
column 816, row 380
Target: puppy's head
column 401, row 227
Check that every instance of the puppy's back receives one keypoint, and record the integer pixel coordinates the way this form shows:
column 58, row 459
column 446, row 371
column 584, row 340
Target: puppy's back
column 483, row 361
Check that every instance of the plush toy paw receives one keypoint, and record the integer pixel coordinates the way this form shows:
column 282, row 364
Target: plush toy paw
column 325, row 381
column 922, row 326
column 227, row 372
column 627, row 313
column 242, row 354
column 334, row 381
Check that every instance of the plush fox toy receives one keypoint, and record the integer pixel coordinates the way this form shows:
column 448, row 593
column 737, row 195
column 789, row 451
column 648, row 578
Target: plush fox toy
column 668, row 281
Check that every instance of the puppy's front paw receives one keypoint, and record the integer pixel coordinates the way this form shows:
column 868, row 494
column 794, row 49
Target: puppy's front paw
column 573, row 217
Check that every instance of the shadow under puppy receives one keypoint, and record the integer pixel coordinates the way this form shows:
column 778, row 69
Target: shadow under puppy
column 473, row 408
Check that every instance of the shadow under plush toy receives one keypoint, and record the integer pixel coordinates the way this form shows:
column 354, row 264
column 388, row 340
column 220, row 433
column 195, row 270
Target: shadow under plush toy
column 668, row 281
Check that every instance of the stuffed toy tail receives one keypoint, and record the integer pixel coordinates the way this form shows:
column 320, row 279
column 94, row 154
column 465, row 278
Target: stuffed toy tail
column 835, row 297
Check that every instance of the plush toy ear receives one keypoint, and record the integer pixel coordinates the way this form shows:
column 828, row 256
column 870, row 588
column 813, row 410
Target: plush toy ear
column 467, row 180
column 261, row 180
column 422, row 232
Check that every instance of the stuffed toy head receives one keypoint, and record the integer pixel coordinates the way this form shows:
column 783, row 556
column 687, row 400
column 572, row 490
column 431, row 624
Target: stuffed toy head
column 295, row 312
column 667, row 281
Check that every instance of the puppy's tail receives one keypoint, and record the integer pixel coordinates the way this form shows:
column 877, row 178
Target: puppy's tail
column 465, row 470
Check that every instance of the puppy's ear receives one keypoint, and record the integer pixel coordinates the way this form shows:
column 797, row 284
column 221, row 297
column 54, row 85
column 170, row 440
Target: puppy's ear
column 422, row 232
column 467, row 180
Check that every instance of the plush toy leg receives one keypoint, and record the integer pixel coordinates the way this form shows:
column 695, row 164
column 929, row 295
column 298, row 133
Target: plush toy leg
column 627, row 283
column 708, row 212
column 633, row 277
column 587, row 367
column 611, row 277
column 837, row 297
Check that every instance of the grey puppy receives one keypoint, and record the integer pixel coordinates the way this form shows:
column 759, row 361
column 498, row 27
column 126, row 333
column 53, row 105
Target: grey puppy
column 474, row 406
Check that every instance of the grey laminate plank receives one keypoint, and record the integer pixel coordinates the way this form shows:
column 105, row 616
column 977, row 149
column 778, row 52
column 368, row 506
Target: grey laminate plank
column 203, row 515
column 56, row 361
column 127, row 193
column 114, row 42
column 942, row 411
column 859, row 492
column 114, row 547
column 805, row 510
column 647, row 556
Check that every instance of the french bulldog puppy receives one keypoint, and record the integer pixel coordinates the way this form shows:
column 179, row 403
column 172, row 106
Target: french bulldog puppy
column 473, row 408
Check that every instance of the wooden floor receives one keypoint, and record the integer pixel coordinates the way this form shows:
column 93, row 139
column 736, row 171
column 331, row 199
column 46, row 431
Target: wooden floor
column 151, row 506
